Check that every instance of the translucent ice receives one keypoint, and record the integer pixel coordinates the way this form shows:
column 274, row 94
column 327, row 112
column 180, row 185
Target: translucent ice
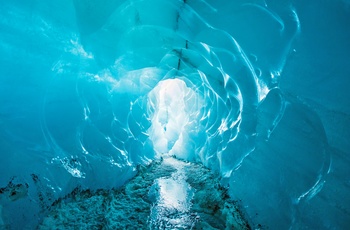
column 255, row 90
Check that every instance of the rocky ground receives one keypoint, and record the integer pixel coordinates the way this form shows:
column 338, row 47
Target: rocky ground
column 167, row 194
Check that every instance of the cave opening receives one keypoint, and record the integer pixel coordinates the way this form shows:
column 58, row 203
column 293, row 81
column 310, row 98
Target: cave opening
column 173, row 110
column 121, row 108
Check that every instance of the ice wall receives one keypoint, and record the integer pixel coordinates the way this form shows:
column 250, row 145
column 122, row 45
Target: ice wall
column 256, row 90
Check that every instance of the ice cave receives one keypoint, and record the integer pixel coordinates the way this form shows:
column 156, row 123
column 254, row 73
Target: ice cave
column 175, row 114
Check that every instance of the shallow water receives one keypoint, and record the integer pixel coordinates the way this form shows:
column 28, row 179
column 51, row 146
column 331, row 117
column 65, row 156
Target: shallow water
column 169, row 194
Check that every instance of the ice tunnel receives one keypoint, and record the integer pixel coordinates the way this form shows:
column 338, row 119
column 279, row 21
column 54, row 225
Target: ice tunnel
column 254, row 90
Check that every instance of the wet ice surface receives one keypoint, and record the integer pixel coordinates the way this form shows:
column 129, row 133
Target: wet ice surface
column 169, row 194
column 171, row 198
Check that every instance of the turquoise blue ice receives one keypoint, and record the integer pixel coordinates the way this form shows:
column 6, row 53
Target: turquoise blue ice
column 255, row 90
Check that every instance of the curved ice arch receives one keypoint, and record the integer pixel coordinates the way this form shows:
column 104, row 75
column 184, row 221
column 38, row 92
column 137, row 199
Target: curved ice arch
column 95, row 115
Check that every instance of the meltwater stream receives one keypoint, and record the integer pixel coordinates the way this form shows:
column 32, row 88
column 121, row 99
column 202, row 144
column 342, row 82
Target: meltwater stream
column 168, row 194
column 93, row 92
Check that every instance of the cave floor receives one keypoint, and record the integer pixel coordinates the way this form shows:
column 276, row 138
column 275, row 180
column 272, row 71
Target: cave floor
column 167, row 194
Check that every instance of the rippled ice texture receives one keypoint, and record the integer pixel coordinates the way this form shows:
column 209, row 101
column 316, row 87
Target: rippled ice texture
column 256, row 90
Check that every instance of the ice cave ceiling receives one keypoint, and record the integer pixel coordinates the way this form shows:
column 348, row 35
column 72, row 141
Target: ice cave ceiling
column 255, row 90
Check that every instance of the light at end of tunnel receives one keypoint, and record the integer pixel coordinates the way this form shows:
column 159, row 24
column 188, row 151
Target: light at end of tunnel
column 175, row 115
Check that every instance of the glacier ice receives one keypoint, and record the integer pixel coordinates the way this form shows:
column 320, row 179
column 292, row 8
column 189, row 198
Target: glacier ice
column 255, row 90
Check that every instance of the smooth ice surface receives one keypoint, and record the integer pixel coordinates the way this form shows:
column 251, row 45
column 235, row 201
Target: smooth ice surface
column 256, row 90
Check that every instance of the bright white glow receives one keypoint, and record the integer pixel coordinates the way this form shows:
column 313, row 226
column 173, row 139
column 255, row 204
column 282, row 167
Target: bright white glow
column 223, row 127
column 175, row 112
